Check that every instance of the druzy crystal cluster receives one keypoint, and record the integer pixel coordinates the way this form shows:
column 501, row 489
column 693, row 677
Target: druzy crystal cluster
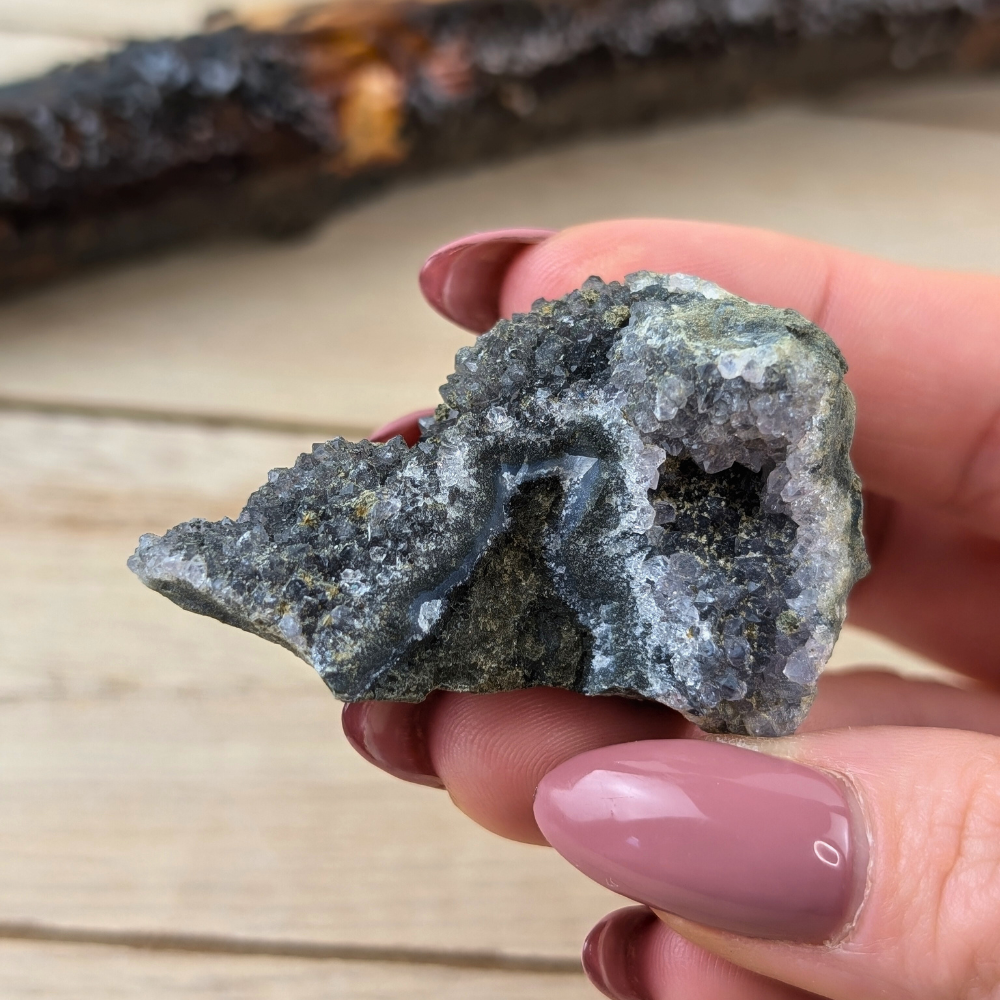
column 642, row 488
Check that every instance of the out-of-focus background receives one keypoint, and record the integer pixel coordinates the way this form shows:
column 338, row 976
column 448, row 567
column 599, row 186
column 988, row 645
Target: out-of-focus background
column 167, row 781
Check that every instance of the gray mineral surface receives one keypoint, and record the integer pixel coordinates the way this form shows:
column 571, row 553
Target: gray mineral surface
column 642, row 488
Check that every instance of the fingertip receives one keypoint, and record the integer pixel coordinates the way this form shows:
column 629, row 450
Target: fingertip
column 610, row 953
column 741, row 259
column 492, row 750
column 462, row 280
column 406, row 427
column 632, row 955
column 391, row 736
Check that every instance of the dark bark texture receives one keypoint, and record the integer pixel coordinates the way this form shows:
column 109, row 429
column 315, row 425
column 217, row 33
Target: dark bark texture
column 267, row 127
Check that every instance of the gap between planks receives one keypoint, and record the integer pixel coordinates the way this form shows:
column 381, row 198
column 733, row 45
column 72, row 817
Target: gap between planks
column 210, row 944
column 151, row 415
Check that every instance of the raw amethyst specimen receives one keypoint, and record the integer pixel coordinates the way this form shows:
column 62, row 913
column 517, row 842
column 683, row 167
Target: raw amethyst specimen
column 640, row 489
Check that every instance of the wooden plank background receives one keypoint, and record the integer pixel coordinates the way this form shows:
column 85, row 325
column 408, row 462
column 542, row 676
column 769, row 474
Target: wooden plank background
column 168, row 781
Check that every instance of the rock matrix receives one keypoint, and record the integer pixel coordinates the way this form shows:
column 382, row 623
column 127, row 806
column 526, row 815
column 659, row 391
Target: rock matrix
column 642, row 488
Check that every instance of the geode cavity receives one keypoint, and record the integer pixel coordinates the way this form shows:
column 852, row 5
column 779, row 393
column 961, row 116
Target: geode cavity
column 640, row 489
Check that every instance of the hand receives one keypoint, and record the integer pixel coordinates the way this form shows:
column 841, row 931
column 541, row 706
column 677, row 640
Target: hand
column 918, row 808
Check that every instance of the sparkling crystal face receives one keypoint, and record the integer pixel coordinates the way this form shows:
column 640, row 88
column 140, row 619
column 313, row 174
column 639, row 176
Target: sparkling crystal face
column 642, row 488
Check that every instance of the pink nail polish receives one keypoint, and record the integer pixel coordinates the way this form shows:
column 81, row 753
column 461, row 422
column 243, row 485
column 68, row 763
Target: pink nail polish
column 610, row 953
column 723, row 836
column 462, row 280
column 406, row 427
column 390, row 735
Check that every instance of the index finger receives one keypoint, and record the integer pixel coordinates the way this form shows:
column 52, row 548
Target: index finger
column 922, row 346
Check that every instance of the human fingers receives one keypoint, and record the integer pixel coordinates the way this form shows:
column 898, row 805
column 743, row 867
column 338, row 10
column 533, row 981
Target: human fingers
column 407, row 427
column 392, row 736
column 630, row 955
column 934, row 586
column 856, row 864
column 463, row 279
column 492, row 750
column 875, row 697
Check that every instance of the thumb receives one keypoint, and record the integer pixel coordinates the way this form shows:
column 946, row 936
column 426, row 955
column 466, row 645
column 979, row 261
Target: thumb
column 853, row 863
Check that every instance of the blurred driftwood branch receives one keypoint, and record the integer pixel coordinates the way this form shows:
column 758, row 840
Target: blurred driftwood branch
column 266, row 126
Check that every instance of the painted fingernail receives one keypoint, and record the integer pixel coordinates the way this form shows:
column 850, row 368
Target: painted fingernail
column 390, row 735
column 611, row 953
column 462, row 280
column 406, row 427
column 717, row 834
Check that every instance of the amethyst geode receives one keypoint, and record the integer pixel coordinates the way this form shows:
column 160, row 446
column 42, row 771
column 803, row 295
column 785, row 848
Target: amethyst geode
column 641, row 489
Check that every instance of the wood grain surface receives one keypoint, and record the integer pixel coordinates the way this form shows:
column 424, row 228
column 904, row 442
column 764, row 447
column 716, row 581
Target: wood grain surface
column 113, row 19
column 52, row 972
column 195, row 332
column 167, row 779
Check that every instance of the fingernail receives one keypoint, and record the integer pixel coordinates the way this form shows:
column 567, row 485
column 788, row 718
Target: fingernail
column 406, row 427
column 720, row 835
column 610, row 953
column 390, row 735
column 462, row 280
